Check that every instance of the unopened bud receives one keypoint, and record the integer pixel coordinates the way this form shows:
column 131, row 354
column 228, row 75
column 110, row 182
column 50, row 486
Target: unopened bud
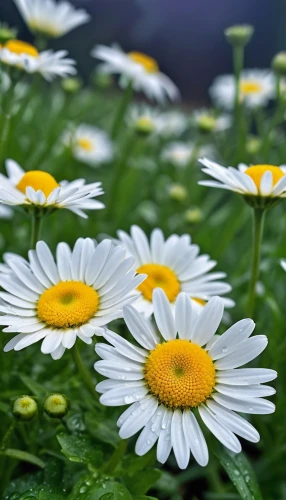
column 7, row 33
column 239, row 34
column 279, row 63
column 253, row 145
column 25, row 408
column 144, row 126
column 71, row 85
column 206, row 123
column 193, row 215
column 56, row 405
column 178, row 192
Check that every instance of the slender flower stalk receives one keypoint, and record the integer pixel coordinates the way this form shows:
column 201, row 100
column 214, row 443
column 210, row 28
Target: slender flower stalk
column 257, row 233
column 36, row 227
column 83, row 372
column 8, row 434
column 5, row 135
column 120, row 113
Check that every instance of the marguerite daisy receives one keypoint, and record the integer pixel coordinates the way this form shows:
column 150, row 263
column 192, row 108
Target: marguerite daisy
column 171, row 124
column 174, row 266
column 185, row 373
column 89, row 144
column 140, row 70
column 178, row 153
column 75, row 296
column 26, row 57
column 261, row 185
column 143, row 119
column 50, row 18
column 257, row 87
column 207, row 121
column 39, row 189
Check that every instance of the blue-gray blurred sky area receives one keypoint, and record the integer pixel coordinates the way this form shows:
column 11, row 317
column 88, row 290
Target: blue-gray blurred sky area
column 185, row 36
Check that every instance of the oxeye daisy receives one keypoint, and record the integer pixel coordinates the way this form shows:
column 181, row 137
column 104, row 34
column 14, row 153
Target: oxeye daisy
column 206, row 121
column 26, row 57
column 75, row 296
column 261, row 185
column 49, row 18
column 256, row 88
column 39, row 189
column 185, row 373
column 137, row 69
column 178, row 153
column 89, row 145
column 143, row 119
column 173, row 265
column 171, row 124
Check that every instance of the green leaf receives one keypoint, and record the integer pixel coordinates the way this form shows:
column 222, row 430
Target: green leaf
column 37, row 389
column 143, row 497
column 240, row 473
column 23, row 456
column 103, row 430
column 79, row 449
column 101, row 489
column 143, row 481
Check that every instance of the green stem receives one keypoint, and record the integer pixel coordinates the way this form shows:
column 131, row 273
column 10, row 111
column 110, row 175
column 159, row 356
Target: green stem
column 36, row 228
column 82, row 370
column 7, row 435
column 257, row 232
column 238, row 59
column 5, row 135
column 118, row 454
column 119, row 115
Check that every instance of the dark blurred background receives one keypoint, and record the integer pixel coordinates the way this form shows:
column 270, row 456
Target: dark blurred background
column 185, row 36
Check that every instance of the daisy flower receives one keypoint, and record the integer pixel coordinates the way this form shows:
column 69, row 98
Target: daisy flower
column 143, row 118
column 39, row 189
column 185, row 373
column 173, row 265
column 178, row 153
column 260, row 185
column 140, row 69
column 26, row 57
column 75, row 296
column 207, row 121
column 257, row 87
column 50, row 18
column 89, row 145
column 171, row 124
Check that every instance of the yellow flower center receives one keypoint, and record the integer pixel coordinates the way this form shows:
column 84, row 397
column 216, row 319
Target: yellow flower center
column 202, row 302
column 256, row 173
column 39, row 181
column 85, row 144
column 149, row 64
column 68, row 304
column 158, row 277
column 21, row 48
column 180, row 374
column 248, row 87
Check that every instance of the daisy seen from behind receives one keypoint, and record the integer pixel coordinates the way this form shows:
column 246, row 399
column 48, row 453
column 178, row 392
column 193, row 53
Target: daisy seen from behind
column 175, row 266
column 181, row 375
column 137, row 69
column 72, row 297
column 39, row 189
column 50, row 18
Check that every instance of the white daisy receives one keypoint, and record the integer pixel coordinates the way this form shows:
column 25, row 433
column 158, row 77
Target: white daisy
column 205, row 119
column 89, row 144
column 40, row 189
column 50, row 18
column 257, row 87
column 259, row 184
column 186, row 373
column 174, row 266
column 178, row 153
column 171, row 124
column 26, row 57
column 75, row 297
column 143, row 118
column 139, row 69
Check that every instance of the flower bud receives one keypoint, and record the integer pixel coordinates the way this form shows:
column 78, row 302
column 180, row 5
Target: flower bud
column 253, row 145
column 144, row 126
column 206, row 123
column 71, row 85
column 193, row 215
column 279, row 63
column 56, row 405
column 178, row 192
column 7, row 33
column 101, row 80
column 239, row 35
column 25, row 408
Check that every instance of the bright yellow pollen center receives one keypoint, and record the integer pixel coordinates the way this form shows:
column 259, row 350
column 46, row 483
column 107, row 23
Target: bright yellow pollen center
column 148, row 63
column 19, row 47
column 248, row 87
column 67, row 304
column 180, row 374
column 256, row 173
column 39, row 181
column 158, row 277
column 85, row 144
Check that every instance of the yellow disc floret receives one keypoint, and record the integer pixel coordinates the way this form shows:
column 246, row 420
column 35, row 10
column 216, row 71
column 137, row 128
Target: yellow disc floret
column 159, row 276
column 248, row 87
column 68, row 304
column 256, row 173
column 21, row 48
column 85, row 144
column 148, row 63
column 38, row 180
column 180, row 374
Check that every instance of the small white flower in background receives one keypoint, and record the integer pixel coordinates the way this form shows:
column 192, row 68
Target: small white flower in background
column 260, row 181
column 178, row 153
column 283, row 264
column 40, row 189
column 50, row 18
column 5, row 212
column 75, row 296
column 89, row 144
column 140, row 70
column 207, row 121
column 173, row 265
column 184, row 373
column 143, row 118
column 171, row 124
column 26, row 57
column 257, row 87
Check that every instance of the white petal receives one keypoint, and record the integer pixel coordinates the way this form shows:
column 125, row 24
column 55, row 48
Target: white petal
column 243, row 353
column 164, row 445
column 226, row 437
column 179, row 442
column 163, row 314
column 143, row 412
column 234, row 422
column 236, row 334
column 195, row 438
column 150, row 433
column 126, row 394
column 184, row 316
column 208, row 321
column 246, row 376
column 139, row 328
column 257, row 406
